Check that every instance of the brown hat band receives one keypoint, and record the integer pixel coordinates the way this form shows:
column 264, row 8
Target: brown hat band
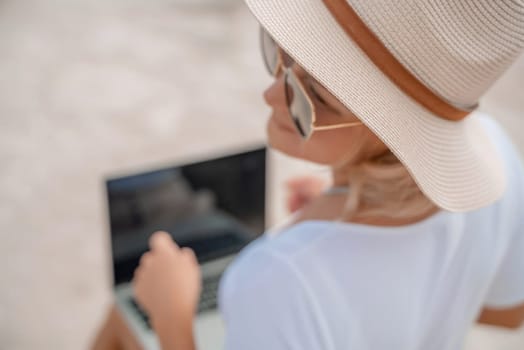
column 353, row 25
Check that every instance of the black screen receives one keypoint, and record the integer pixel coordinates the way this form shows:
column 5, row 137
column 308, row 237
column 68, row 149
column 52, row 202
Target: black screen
column 215, row 207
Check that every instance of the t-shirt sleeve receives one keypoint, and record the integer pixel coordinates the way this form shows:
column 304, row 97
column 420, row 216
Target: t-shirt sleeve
column 507, row 288
column 266, row 306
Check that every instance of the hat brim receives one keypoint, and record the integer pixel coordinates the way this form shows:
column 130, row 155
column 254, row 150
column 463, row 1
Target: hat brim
column 455, row 164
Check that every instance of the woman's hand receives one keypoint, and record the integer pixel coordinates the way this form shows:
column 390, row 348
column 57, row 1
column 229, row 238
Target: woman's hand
column 167, row 282
column 303, row 189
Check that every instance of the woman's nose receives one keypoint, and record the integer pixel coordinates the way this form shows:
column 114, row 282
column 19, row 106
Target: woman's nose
column 274, row 94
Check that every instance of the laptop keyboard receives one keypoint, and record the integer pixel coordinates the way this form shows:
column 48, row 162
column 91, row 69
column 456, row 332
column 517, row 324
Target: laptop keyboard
column 208, row 298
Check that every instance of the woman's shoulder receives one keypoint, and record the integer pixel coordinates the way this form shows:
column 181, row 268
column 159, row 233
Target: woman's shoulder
column 272, row 250
column 286, row 251
column 261, row 266
column 273, row 255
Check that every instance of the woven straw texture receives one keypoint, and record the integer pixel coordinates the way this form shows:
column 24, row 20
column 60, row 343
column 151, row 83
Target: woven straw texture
column 454, row 163
column 457, row 48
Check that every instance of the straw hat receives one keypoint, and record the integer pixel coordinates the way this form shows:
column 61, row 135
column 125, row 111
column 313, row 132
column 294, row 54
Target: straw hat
column 413, row 72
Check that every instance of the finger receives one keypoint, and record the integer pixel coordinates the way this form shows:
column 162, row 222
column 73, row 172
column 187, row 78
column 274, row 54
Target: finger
column 135, row 288
column 294, row 204
column 294, row 183
column 297, row 179
column 300, row 181
column 189, row 252
column 300, row 190
column 306, row 183
column 161, row 240
column 145, row 258
column 296, row 201
column 297, row 197
column 136, row 275
column 137, row 281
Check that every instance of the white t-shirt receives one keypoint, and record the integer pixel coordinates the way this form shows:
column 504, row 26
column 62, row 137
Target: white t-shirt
column 334, row 285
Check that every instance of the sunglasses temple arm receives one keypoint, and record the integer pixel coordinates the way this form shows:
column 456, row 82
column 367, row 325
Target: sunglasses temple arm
column 337, row 126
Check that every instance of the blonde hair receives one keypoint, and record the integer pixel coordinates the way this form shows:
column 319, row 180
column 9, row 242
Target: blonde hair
column 383, row 187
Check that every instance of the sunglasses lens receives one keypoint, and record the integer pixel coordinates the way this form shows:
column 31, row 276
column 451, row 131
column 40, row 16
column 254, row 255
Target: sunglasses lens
column 299, row 106
column 269, row 51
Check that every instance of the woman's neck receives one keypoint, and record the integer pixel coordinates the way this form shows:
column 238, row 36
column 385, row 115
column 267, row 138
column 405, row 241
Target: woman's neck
column 331, row 208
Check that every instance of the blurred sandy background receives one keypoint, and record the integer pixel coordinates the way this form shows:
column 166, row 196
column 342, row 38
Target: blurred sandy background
column 91, row 88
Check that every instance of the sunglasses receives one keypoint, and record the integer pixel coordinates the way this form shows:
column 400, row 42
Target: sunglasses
column 299, row 102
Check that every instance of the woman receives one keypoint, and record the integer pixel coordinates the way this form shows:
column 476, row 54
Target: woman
column 421, row 229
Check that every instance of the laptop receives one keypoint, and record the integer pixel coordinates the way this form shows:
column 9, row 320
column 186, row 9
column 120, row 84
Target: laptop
column 214, row 206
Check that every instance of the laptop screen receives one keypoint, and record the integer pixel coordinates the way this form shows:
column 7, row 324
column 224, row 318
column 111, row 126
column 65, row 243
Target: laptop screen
column 215, row 207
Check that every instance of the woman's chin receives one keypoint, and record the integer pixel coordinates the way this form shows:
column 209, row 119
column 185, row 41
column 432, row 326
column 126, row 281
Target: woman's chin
column 282, row 139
